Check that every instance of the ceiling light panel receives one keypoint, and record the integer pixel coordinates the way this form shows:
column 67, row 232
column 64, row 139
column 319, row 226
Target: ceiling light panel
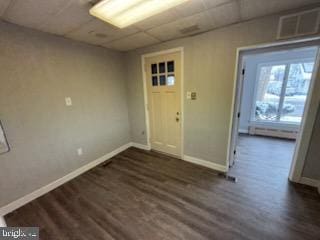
column 122, row 13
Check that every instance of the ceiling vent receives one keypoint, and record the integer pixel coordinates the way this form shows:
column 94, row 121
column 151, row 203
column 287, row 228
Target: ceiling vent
column 98, row 35
column 299, row 24
column 190, row 30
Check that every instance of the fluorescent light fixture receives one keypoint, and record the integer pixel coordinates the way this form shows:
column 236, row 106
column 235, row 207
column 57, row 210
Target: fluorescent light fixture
column 122, row 13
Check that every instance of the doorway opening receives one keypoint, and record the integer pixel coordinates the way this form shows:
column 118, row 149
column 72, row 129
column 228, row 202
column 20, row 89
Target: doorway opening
column 273, row 92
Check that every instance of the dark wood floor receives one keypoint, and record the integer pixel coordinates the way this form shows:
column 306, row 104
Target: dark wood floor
column 146, row 195
column 263, row 158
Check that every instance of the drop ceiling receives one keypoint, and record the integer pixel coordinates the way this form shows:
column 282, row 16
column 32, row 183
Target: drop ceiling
column 71, row 19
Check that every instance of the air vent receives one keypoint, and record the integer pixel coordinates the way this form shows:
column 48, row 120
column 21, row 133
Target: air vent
column 101, row 35
column 299, row 24
column 190, row 30
column 98, row 35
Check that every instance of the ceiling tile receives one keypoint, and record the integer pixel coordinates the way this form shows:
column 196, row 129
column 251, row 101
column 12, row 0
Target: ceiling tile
column 71, row 19
column 166, row 31
column 190, row 8
column 173, row 30
column 97, row 32
column 75, row 14
column 224, row 14
column 132, row 42
column 4, row 5
column 257, row 8
column 157, row 20
column 215, row 3
column 33, row 13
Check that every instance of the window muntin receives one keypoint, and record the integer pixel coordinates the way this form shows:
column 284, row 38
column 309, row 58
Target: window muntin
column 163, row 74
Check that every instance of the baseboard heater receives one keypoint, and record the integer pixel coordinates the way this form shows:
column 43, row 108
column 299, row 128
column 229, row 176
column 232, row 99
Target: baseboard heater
column 273, row 132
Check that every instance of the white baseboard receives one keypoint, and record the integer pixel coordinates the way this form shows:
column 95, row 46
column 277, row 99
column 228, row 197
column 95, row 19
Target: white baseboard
column 141, row 146
column 198, row 161
column 245, row 131
column 310, row 182
column 45, row 189
column 2, row 222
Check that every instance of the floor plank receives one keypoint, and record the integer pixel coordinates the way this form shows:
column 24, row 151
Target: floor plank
column 147, row 195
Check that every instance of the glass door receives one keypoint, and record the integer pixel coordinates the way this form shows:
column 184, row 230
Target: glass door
column 281, row 91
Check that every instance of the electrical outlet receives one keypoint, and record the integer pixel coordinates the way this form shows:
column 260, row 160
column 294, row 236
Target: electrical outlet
column 68, row 101
column 79, row 151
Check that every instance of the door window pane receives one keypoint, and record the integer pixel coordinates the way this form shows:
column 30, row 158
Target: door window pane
column 154, row 81
column 296, row 92
column 162, row 67
column 154, row 68
column 171, row 80
column 170, row 66
column 162, row 80
column 268, row 92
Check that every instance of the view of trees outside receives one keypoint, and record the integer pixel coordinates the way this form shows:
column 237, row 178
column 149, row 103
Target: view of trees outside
column 267, row 100
column 296, row 91
column 269, row 92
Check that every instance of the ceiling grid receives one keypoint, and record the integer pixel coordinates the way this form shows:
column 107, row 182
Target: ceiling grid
column 71, row 19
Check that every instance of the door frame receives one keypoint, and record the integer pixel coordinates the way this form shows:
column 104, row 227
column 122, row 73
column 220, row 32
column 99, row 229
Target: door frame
column 310, row 110
column 145, row 92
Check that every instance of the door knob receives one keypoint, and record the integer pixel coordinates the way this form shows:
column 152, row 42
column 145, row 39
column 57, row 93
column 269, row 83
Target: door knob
column 177, row 119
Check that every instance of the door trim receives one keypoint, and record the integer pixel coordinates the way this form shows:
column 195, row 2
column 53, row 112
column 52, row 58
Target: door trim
column 303, row 138
column 145, row 92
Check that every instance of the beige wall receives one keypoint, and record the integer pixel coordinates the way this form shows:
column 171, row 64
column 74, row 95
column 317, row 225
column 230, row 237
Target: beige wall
column 37, row 71
column 209, row 70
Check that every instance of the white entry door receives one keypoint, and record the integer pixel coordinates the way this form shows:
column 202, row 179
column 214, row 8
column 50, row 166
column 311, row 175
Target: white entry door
column 163, row 76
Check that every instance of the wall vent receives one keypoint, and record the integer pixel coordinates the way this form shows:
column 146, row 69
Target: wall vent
column 299, row 24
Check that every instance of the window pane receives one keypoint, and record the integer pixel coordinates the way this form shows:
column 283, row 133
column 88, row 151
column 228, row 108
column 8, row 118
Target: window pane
column 171, row 80
column 154, row 68
column 154, row 81
column 296, row 92
column 162, row 80
column 308, row 67
column 170, row 66
column 162, row 67
column 268, row 92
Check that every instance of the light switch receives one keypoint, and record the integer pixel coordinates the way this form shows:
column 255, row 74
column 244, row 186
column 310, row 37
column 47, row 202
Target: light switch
column 188, row 95
column 193, row 96
column 68, row 101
